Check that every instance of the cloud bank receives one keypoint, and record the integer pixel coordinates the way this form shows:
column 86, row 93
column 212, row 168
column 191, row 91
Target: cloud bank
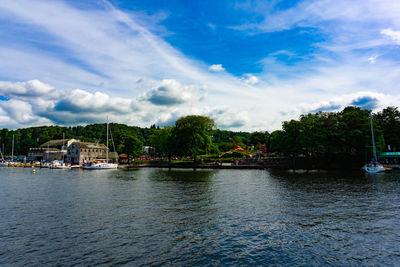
column 81, row 64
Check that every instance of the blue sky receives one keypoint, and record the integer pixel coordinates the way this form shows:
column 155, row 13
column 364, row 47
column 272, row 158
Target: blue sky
column 247, row 64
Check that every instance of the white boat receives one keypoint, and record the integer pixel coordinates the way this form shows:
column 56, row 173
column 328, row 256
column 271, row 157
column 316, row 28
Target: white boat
column 59, row 165
column 371, row 168
column 374, row 166
column 4, row 164
column 102, row 165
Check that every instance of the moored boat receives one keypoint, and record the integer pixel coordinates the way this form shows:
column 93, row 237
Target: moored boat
column 102, row 165
column 374, row 166
column 4, row 164
column 59, row 165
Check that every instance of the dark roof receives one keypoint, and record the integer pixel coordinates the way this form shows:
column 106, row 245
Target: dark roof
column 90, row 145
column 45, row 149
column 53, row 143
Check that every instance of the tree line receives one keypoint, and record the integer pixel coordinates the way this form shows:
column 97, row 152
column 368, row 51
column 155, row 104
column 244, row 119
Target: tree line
column 348, row 132
column 129, row 139
column 322, row 134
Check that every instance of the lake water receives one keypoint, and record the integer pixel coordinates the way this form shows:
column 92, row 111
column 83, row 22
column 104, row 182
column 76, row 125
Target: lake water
column 205, row 217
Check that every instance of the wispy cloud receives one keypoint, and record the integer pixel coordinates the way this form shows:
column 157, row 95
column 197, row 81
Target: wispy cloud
column 81, row 64
column 250, row 79
column 372, row 59
column 394, row 35
column 216, row 67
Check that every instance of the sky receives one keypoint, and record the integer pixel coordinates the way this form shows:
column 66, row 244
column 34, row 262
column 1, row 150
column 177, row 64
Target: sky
column 249, row 65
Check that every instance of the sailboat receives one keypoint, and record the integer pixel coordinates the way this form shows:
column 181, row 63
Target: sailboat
column 102, row 165
column 3, row 162
column 374, row 166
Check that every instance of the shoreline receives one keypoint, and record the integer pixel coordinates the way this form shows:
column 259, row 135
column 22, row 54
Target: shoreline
column 236, row 167
column 226, row 166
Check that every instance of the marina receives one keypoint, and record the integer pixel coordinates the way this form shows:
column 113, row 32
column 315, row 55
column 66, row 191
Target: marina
column 199, row 133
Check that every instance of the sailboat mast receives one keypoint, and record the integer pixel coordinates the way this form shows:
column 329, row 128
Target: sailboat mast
column 107, row 142
column 62, row 147
column 373, row 140
column 12, row 150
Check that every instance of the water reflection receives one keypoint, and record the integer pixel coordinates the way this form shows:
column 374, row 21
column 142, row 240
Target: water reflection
column 342, row 210
column 184, row 217
column 182, row 175
column 125, row 174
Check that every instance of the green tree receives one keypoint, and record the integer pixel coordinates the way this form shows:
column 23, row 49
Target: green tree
column 295, row 141
column 355, row 127
column 277, row 141
column 162, row 142
column 258, row 138
column 191, row 135
column 389, row 122
column 132, row 146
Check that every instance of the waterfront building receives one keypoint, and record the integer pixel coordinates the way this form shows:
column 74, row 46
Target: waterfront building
column 51, row 150
column 84, row 152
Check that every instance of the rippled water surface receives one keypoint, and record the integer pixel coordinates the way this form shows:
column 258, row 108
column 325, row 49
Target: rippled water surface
column 202, row 217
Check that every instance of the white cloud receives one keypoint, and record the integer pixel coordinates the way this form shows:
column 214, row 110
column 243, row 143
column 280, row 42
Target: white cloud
column 21, row 113
column 250, row 79
column 344, row 25
column 31, row 88
column 110, row 46
column 34, row 103
column 308, row 13
column 228, row 117
column 224, row 117
column 363, row 99
column 394, row 35
column 216, row 67
column 168, row 93
column 372, row 59
column 112, row 51
column 82, row 101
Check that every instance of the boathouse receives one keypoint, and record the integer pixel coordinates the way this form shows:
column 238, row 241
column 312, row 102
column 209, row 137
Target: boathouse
column 83, row 152
column 51, row 150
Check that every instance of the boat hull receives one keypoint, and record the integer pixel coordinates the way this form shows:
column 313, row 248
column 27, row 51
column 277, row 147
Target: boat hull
column 61, row 167
column 101, row 166
column 374, row 169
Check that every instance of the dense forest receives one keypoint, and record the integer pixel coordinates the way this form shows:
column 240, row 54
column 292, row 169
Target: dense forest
column 319, row 135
